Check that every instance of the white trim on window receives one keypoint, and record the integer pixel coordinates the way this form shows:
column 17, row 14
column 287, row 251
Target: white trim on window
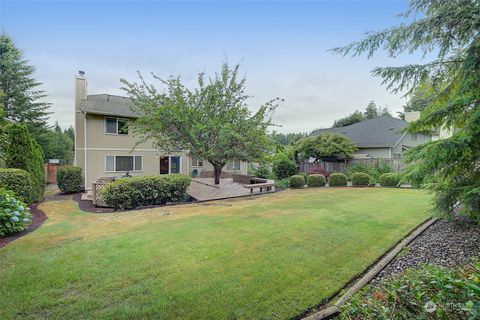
column 115, row 163
column 116, row 126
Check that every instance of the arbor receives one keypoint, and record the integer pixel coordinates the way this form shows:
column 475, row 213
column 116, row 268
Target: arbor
column 451, row 30
column 325, row 146
column 212, row 121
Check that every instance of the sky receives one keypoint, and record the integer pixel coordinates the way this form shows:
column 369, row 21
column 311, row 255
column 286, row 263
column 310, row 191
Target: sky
column 282, row 47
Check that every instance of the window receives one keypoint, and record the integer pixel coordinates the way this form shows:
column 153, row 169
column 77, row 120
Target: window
column 116, row 126
column 123, row 163
column 233, row 165
column 197, row 162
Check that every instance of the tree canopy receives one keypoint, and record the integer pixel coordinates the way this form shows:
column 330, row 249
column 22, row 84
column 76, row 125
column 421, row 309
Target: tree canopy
column 212, row 121
column 449, row 30
column 371, row 111
column 324, row 146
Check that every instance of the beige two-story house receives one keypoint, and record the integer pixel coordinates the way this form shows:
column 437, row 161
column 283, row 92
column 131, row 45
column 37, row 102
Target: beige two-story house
column 104, row 147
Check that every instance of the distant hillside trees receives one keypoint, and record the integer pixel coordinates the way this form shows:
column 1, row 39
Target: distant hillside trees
column 371, row 111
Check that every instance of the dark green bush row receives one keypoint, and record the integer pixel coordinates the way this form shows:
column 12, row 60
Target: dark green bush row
column 390, row 179
column 130, row 193
column 337, row 180
column 297, row 181
column 22, row 152
column 69, row 179
column 316, row 180
column 428, row 293
column 360, row 179
column 19, row 182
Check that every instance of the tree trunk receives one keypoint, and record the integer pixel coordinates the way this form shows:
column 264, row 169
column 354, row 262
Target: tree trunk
column 217, row 170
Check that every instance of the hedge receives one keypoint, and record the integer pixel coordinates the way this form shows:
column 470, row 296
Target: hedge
column 19, row 182
column 23, row 152
column 133, row 192
column 69, row 179
column 316, row 180
column 390, row 179
column 297, row 181
column 337, row 179
column 360, row 179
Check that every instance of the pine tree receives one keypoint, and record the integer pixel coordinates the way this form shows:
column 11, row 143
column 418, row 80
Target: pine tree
column 21, row 99
column 451, row 31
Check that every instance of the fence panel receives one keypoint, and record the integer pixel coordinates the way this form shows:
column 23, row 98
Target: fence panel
column 395, row 164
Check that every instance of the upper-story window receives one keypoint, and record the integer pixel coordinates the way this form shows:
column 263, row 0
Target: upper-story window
column 233, row 165
column 116, row 126
column 197, row 162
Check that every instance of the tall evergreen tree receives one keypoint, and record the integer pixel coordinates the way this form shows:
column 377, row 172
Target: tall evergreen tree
column 22, row 98
column 451, row 31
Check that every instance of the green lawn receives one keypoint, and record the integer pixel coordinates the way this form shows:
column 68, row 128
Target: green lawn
column 269, row 257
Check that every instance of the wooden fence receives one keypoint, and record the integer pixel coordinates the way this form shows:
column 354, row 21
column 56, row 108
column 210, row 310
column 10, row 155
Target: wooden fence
column 51, row 172
column 395, row 164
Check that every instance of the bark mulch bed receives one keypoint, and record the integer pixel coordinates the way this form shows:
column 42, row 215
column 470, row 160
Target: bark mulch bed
column 38, row 217
column 446, row 243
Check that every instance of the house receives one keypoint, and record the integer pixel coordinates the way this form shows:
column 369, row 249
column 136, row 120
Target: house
column 380, row 137
column 104, row 147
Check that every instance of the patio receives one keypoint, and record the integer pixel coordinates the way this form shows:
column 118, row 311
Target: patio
column 204, row 189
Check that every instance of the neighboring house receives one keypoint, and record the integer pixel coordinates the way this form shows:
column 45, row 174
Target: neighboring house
column 380, row 137
column 103, row 144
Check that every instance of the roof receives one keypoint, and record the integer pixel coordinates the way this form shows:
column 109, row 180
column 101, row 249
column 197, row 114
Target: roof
column 383, row 131
column 108, row 105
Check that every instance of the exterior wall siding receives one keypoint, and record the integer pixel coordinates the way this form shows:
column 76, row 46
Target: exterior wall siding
column 375, row 152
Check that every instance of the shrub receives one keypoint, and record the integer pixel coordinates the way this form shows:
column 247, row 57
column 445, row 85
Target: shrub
column 69, row 179
column 389, row 179
column 19, row 182
column 316, row 180
column 360, row 179
column 14, row 214
column 282, row 184
column 262, row 171
column 321, row 171
column 130, row 193
column 297, row 181
column 431, row 292
column 22, row 152
column 283, row 166
column 337, row 179
column 374, row 170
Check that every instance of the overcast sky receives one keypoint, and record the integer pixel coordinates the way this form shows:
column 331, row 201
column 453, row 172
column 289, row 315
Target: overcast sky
column 282, row 46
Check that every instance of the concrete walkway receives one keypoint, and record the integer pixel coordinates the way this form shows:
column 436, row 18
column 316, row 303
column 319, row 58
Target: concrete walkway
column 205, row 189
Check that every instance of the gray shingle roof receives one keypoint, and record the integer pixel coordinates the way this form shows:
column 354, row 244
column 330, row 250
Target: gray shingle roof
column 108, row 105
column 383, row 131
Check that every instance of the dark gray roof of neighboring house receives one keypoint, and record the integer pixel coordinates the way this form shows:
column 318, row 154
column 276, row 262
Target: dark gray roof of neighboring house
column 108, row 105
column 383, row 131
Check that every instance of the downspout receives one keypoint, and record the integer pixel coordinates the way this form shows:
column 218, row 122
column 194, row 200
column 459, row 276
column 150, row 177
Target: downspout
column 85, row 147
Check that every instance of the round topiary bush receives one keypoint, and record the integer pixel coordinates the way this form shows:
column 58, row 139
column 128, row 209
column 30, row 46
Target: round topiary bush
column 69, row 179
column 337, row 179
column 389, row 179
column 360, row 179
column 297, row 181
column 19, row 182
column 316, row 180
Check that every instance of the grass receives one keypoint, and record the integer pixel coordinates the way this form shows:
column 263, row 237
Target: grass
column 269, row 257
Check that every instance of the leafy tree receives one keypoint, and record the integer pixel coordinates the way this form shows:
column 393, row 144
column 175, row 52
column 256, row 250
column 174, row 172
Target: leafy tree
column 325, row 146
column 283, row 166
column 287, row 139
column 451, row 31
column 23, row 152
column 212, row 121
column 21, row 98
column 58, row 144
column 352, row 118
column 372, row 111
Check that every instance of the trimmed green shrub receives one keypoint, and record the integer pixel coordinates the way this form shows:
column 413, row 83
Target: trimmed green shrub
column 69, row 179
column 316, row 180
column 283, row 166
column 375, row 170
column 133, row 192
column 390, row 179
column 360, row 179
column 297, row 181
column 22, row 152
column 262, row 171
column 19, row 182
column 14, row 214
column 337, row 179
column 431, row 292
column 282, row 184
